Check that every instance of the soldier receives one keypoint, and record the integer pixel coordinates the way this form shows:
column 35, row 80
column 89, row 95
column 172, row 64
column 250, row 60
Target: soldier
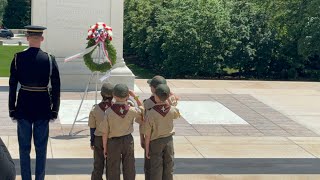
column 7, row 169
column 148, row 104
column 158, row 135
column 95, row 118
column 36, row 105
column 117, row 139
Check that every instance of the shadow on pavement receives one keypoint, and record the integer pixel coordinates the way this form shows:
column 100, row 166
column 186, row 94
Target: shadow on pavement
column 67, row 166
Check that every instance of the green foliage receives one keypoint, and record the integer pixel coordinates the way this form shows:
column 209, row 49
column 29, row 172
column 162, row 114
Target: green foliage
column 3, row 4
column 6, row 56
column 17, row 14
column 277, row 39
column 102, row 67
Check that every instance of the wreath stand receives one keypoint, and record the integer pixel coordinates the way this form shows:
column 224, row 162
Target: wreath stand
column 85, row 93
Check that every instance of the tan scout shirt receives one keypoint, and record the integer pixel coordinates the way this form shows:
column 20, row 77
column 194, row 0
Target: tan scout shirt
column 117, row 126
column 159, row 126
column 149, row 103
column 96, row 116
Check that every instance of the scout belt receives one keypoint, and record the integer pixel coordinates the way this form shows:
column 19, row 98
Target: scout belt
column 34, row 89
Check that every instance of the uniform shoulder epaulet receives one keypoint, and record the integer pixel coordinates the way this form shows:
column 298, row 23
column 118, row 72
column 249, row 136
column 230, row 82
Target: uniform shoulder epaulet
column 49, row 54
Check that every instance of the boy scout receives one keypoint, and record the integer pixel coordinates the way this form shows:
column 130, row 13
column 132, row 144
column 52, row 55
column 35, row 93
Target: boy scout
column 158, row 135
column 148, row 104
column 117, row 127
column 95, row 118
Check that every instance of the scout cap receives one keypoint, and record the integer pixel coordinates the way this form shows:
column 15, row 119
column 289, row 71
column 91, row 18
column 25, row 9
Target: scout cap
column 163, row 92
column 107, row 90
column 35, row 30
column 156, row 80
column 121, row 90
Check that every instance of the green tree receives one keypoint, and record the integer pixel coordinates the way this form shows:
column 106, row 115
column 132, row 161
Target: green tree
column 3, row 4
column 17, row 13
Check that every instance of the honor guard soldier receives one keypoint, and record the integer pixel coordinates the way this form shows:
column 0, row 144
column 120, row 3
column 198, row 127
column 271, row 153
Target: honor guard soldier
column 36, row 105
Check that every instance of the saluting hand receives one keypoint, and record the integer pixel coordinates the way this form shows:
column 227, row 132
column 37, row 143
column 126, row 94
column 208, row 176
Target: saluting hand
column 131, row 93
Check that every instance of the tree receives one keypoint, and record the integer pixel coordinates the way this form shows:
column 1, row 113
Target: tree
column 3, row 4
column 17, row 13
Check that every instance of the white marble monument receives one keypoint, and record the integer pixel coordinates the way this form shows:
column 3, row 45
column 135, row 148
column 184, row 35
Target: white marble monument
column 68, row 22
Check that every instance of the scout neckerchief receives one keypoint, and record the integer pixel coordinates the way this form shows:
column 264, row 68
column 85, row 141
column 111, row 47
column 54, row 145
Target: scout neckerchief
column 120, row 109
column 162, row 109
column 104, row 105
column 153, row 99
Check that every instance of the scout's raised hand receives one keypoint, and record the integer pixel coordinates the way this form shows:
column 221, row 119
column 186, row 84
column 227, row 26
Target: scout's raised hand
column 131, row 93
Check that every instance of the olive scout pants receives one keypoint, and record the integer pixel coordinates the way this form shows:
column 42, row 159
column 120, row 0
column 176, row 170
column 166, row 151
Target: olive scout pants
column 161, row 159
column 121, row 150
column 99, row 161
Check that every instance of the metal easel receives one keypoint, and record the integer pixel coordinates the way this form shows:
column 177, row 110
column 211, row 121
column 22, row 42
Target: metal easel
column 85, row 93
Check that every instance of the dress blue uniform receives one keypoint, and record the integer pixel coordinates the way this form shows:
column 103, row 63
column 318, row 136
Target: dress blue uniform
column 34, row 69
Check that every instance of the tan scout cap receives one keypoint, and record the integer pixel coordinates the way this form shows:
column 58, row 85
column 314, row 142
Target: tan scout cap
column 107, row 89
column 156, row 80
column 121, row 90
column 163, row 92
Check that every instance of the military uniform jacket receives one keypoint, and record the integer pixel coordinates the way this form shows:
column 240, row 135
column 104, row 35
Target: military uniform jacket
column 159, row 121
column 119, row 119
column 31, row 68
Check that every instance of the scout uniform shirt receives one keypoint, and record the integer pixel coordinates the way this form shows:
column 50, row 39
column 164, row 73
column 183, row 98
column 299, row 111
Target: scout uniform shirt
column 119, row 120
column 159, row 121
column 149, row 103
column 97, row 115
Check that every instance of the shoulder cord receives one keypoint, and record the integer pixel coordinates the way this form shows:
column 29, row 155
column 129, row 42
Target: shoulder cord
column 15, row 60
column 50, row 72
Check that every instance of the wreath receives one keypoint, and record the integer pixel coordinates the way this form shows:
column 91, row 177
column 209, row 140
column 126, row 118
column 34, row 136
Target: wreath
column 100, row 36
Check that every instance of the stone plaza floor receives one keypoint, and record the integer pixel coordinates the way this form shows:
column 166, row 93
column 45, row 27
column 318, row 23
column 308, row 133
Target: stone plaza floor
column 228, row 130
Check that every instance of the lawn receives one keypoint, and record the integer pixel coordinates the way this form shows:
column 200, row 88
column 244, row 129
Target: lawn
column 6, row 56
column 140, row 72
column 7, row 52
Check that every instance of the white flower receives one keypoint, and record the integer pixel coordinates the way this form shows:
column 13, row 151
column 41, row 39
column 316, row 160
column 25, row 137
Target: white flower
column 110, row 33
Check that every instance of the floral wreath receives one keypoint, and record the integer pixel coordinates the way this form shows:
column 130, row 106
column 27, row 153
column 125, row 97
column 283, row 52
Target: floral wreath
column 100, row 35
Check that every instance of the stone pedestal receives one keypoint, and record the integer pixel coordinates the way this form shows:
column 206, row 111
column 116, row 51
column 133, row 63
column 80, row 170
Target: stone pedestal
column 68, row 22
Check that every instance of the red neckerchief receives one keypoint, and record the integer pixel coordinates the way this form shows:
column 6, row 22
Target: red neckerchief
column 104, row 105
column 120, row 109
column 153, row 99
column 162, row 109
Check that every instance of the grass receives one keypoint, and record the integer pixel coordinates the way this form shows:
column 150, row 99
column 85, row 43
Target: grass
column 142, row 73
column 6, row 56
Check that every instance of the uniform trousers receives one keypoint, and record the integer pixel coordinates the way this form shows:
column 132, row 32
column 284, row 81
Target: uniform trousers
column 99, row 160
column 161, row 159
column 121, row 150
column 39, row 129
